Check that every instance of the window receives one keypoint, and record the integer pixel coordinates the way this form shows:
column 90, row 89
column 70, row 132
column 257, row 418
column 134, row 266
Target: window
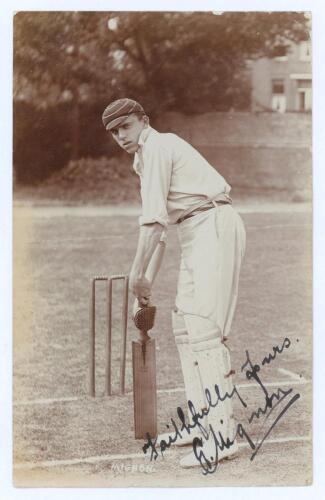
column 304, row 102
column 304, row 84
column 278, row 102
column 305, row 51
column 278, row 86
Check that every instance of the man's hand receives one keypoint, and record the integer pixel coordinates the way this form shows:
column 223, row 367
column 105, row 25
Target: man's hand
column 141, row 288
column 137, row 306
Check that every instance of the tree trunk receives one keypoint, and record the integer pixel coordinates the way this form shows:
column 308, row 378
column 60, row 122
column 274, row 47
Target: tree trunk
column 75, row 128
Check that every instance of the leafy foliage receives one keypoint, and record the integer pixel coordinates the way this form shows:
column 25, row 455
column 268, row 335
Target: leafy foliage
column 189, row 60
column 66, row 62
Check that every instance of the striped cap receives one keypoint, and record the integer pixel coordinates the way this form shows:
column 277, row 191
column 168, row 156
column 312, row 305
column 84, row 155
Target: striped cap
column 118, row 111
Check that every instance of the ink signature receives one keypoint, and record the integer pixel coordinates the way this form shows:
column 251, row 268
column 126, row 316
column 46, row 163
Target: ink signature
column 209, row 464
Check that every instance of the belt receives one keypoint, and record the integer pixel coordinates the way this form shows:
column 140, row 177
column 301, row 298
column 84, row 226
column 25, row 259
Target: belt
column 203, row 208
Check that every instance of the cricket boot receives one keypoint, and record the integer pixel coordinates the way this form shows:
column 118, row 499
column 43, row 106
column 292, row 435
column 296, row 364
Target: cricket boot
column 193, row 387
column 216, row 377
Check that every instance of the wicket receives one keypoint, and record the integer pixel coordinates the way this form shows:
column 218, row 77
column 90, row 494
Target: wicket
column 108, row 349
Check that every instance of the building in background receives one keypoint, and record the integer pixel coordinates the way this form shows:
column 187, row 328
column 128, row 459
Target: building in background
column 283, row 83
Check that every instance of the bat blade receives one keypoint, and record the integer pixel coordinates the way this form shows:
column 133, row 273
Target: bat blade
column 144, row 388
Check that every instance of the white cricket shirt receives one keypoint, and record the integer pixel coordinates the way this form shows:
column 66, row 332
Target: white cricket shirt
column 174, row 177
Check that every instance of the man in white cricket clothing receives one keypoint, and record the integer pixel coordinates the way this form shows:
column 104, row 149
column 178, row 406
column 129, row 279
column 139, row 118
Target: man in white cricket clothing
column 178, row 186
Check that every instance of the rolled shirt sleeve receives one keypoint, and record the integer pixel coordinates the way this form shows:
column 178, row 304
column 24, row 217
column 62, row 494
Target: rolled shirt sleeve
column 155, row 183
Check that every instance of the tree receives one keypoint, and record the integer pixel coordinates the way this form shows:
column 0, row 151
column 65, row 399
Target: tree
column 193, row 61
column 54, row 54
column 185, row 61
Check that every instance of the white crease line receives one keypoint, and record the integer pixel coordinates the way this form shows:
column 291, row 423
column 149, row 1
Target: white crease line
column 28, row 210
column 282, row 226
column 78, row 239
column 291, row 374
column 250, row 385
column 273, row 209
column 275, row 384
column 75, row 461
column 109, row 458
column 121, row 235
column 48, row 401
column 289, row 439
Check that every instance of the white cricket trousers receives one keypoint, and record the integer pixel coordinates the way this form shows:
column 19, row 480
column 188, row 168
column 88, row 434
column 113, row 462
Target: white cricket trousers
column 212, row 248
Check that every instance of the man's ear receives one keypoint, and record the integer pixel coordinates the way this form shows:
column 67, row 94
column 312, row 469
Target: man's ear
column 146, row 120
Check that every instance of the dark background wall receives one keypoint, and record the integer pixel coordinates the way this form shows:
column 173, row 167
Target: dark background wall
column 255, row 152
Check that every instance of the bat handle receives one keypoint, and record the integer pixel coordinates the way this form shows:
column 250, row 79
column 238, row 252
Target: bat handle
column 144, row 337
column 143, row 301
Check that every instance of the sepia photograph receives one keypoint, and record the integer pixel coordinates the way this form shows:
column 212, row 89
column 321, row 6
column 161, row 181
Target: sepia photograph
column 162, row 248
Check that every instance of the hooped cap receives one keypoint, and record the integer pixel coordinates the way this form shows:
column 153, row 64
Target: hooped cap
column 116, row 112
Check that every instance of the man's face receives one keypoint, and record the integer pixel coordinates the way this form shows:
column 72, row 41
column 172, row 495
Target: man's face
column 127, row 134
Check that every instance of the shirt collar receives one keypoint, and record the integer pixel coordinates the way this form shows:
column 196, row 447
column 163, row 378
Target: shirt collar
column 144, row 135
column 137, row 163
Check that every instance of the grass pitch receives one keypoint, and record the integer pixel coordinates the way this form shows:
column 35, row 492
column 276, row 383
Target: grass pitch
column 63, row 437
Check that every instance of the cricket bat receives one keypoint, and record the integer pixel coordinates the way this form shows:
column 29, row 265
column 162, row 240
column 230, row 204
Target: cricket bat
column 144, row 361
